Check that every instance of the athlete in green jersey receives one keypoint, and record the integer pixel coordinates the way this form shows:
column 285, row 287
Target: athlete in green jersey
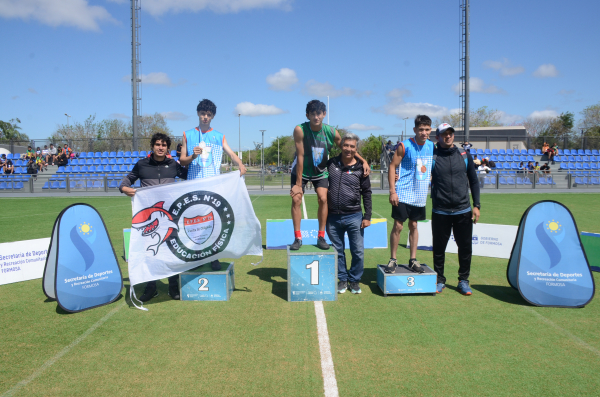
column 313, row 141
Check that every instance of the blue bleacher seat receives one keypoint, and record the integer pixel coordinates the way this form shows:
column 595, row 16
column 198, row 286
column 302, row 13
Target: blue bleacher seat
column 3, row 185
column 113, row 184
column 54, row 185
column 519, row 180
column 62, row 185
column 585, row 158
column 89, row 162
column 530, row 158
column 492, row 158
column 133, row 161
column 120, row 161
column 92, row 168
column 563, row 166
column 522, row 158
column 578, row 159
column 129, row 167
column 18, row 185
column 76, row 168
column 104, row 162
column 578, row 166
column 114, row 168
column 68, row 169
column 98, row 184
column 112, row 161
column 82, row 155
column 128, row 161
column 526, row 181
column 571, row 166
column 112, row 154
column 593, row 159
column 558, row 159
column 595, row 152
column 586, row 166
column 494, row 152
column 60, row 170
column 135, row 153
column 571, row 159
column 9, row 156
column 84, row 168
column 137, row 183
column 502, row 151
column 501, row 158
column 175, row 158
column 510, row 180
column 538, row 152
column 566, row 151
column 143, row 154
column 90, row 155
column 587, row 152
column 122, row 168
column 580, row 152
column 487, row 152
column 89, row 184
column 119, row 154
column 593, row 166
column 594, row 181
column 479, row 151
column 531, row 152
column 97, row 155
column 127, row 154
column 542, row 181
column 550, row 180
column 97, row 161
column 499, row 166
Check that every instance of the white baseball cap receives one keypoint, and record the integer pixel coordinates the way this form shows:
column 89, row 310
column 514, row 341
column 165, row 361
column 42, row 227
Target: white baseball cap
column 442, row 128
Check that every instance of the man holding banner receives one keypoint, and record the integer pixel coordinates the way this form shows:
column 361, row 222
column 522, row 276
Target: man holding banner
column 157, row 169
column 453, row 173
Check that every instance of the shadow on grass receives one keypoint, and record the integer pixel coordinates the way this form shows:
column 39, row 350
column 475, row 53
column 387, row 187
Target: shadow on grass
column 267, row 274
column 60, row 310
column 499, row 292
column 369, row 279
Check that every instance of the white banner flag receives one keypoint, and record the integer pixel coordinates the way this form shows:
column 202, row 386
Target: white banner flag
column 179, row 226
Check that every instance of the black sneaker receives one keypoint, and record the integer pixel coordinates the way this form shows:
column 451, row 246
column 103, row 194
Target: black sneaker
column 148, row 295
column 415, row 266
column 322, row 244
column 342, row 286
column 391, row 266
column 215, row 265
column 296, row 245
column 355, row 288
column 174, row 292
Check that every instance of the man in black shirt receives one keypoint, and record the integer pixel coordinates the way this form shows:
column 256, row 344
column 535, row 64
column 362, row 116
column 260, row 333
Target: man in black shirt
column 156, row 169
column 347, row 184
column 452, row 176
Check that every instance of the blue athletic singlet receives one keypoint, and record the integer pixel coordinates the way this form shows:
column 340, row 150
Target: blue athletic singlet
column 415, row 173
column 209, row 162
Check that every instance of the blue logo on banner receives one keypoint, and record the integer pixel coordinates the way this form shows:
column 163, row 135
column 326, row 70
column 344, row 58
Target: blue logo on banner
column 82, row 271
column 548, row 264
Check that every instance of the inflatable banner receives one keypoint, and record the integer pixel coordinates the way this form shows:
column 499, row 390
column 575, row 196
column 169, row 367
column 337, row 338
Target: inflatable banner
column 548, row 265
column 280, row 233
column 82, row 271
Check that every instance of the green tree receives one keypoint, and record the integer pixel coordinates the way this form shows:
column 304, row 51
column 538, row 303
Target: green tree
column 370, row 148
column 482, row 117
column 591, row 120
column 10, row 131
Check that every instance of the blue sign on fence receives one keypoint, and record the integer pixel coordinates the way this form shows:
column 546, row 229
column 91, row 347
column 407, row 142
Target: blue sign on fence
column 82, row 271
column 548, row 265
column 280, row 233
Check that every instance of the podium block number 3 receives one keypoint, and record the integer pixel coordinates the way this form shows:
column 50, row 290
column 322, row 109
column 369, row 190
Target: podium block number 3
column 203, row 284
column 411, row 281
column 314, row 272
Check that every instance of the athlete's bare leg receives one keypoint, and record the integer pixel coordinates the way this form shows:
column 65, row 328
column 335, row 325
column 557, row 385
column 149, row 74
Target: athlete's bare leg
column 323, row 210
column 395, row 238
column 413, row 237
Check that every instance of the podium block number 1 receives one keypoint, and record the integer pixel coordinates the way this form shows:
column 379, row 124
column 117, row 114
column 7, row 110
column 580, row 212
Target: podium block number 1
column 314, row 272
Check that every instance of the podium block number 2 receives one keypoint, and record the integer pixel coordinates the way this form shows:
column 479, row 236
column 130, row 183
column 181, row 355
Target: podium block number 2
column 203, row 284
column 314, row 272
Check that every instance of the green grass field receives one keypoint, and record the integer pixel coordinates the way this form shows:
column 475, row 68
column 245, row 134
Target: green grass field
column 491, row 343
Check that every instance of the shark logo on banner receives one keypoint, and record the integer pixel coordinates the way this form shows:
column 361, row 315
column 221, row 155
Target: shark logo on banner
column 81, row 269
column 198, row 221
column 548, row 265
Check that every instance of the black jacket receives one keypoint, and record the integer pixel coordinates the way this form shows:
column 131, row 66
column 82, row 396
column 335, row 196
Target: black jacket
column 346, row 186
column 151, row 173
column 450, row 180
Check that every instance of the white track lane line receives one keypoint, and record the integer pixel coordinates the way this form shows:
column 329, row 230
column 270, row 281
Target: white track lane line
column 61, row 353
column 329, row 381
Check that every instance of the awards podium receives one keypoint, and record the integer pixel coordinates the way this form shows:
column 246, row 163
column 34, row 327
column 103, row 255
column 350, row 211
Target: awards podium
column 312, row 274
column 205, row 284
column 405, row 281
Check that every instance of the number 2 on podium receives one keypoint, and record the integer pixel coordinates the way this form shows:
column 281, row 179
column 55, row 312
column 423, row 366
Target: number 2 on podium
column 203, row 284
column 314, row 272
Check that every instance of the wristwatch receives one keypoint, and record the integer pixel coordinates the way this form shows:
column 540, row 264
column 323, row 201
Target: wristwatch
column 478, row 206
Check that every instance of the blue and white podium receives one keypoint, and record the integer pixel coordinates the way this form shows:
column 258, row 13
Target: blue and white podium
column 205, row 284
column 405, row 281
column 312, row 274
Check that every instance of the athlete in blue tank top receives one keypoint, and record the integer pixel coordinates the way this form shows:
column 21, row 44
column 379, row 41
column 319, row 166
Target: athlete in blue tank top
column 413, row 161
column 203, row 148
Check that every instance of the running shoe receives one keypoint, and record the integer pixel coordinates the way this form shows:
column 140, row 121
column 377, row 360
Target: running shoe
column 440, row 287
column 342, row 286
column 149, row 294
column 322, row 244
column 215, row 265
column 355, row 288
column 463, row 287
column 174, row 292
column 415, row 266
column 391, row 266
column 296, row 244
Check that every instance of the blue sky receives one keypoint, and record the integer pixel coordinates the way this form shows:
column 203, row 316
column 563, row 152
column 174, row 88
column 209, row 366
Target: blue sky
column 378, row 61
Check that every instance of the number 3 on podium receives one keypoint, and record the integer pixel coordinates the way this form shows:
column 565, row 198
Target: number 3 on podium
column 411, row 281
column 314, row 272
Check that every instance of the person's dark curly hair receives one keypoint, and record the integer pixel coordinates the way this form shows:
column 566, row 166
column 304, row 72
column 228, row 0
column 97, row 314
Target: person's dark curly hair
column 208, row 106
column 159, row 136
column 421, row 119
column 315, row 106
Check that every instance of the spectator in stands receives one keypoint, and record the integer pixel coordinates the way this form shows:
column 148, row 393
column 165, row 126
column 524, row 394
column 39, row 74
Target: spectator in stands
column 491, row 164
column 554, row 151
column 67, row 151
column 61, row 158
column 467, row 146
column 32, row 167
column 29, row 153
column 52, row 152
column 178, row 150
column 157, row 169
column 389, row 149
column 475, row 160
column 2, row 162
column 9, row 168
column 522, row 167
column 530, row 167
column 45, row 153
column 39, row 162
column 545, row 168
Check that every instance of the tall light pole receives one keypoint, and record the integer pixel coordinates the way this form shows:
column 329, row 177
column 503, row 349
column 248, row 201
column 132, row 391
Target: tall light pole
column 262, row 153
column 406, row 118
column 240, row 133
column 67, row 120
column 277, row 149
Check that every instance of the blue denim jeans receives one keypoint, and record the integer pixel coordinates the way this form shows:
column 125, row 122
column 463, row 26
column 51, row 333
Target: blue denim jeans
column 337, row 226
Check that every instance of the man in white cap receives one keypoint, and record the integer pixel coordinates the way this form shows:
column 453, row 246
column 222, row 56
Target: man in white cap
column 452, row 177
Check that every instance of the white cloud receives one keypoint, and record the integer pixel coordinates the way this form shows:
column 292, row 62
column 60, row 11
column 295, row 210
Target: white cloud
column 174, row 116
column 508, row 119
column 155, row 78
column 253, row 110
column 362, row 127
column 566, row 92
column 160, row 7
column 396, row 106
column 504, row 67
column 33, row 91
column 478, row 85
column 119, row 116
column 316, row 89
column 282, row 80
column 543, row 114
column 77, row 13
column 546, row 70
